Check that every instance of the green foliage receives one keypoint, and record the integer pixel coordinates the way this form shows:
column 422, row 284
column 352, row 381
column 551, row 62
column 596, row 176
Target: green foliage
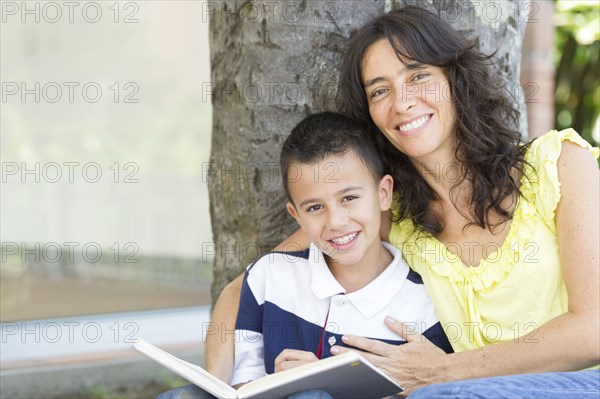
column 96, row 392
column 148, row 391
column 577, row 90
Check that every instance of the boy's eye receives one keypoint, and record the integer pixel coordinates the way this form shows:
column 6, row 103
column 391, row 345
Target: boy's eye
column 350, row 198
column 313, row 208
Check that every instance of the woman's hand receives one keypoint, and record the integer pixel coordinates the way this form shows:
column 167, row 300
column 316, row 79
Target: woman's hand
column 412, row 365
column 290, row 358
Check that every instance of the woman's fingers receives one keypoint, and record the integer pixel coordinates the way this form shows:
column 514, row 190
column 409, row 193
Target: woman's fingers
column 408, row 331
column 403, row 363
column 366, row 345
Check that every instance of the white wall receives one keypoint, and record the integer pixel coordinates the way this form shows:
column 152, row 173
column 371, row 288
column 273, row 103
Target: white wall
column 161, row 60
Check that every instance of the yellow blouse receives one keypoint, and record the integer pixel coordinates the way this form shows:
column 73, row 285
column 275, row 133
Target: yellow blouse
column 517, row 288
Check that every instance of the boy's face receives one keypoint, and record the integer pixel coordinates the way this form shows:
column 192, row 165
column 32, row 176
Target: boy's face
column 338, row 204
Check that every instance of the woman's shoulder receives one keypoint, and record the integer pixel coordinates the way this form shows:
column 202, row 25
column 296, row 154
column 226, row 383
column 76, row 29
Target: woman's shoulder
column 542, row 157
column 549, row 146
column 541, row 185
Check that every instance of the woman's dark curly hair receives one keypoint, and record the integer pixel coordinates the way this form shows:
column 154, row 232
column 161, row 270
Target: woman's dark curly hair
column 486, row 127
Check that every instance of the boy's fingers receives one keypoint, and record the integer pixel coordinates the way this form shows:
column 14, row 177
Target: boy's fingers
column 290, row 358
column 285, row 355
column 289, row 365
column 293, row 355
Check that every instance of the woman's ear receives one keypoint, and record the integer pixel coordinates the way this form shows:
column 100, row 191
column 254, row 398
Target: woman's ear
column 291, row 208
column 386, row 187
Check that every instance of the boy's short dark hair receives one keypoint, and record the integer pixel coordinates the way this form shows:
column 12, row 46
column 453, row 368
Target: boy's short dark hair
column 324, row 134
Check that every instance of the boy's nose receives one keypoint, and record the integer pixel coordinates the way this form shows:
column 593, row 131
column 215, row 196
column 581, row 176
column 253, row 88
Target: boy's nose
column 337, row 219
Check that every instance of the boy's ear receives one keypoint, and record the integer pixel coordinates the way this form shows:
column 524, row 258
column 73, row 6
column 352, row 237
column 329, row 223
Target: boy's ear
column 386, row 189
column 292, row 211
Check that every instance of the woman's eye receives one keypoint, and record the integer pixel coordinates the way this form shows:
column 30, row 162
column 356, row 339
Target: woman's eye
column 313, row 208
column 420, row 76
column 377, row 93
column 350, row 198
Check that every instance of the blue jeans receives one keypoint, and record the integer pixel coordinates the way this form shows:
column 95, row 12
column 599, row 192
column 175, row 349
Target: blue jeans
column 576, row 385
column 193, row 392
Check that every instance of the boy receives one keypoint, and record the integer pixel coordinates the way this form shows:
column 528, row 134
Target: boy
column 295, row 305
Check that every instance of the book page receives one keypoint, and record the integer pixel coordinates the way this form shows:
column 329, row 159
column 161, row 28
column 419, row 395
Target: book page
column 190, row 372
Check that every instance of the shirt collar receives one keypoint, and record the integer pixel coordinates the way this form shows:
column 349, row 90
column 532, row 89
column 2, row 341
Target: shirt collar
column 322, row 283
column 370, row 299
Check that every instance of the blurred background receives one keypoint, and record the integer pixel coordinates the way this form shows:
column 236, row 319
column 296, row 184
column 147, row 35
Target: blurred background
column 105, row 133
column 105, row 139
column 576, row 59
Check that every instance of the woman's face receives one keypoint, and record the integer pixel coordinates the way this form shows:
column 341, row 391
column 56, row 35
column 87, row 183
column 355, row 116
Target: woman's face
column 411, row 106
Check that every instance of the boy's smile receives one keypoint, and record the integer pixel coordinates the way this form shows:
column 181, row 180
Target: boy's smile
column 344, row 242
column 338, row 203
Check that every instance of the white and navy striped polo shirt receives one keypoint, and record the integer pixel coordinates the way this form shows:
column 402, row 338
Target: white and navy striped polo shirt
column 288, row 296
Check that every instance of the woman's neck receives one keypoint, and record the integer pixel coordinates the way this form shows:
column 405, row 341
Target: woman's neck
column 445, row 175
column 442, row 172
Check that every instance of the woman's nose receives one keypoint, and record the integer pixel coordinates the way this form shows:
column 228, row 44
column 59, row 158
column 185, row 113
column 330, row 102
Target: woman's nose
column 405, row 98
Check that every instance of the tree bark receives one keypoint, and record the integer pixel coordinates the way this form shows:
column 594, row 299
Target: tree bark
column 275, row 62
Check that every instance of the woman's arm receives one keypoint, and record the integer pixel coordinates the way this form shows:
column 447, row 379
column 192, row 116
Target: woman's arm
column 219, row 344
column 568, row 342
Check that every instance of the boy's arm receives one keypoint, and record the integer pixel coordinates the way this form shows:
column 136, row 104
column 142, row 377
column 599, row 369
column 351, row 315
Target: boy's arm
column 219, row 348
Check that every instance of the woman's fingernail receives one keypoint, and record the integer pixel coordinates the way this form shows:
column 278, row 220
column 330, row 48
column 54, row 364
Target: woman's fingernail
column 345, row 338
column 390, row 320
column 335, row 350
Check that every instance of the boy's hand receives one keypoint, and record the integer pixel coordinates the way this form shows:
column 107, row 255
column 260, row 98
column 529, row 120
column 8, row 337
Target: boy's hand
column 290, row 358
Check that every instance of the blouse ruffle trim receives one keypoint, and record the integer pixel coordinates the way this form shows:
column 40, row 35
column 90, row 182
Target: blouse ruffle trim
column 498, row 265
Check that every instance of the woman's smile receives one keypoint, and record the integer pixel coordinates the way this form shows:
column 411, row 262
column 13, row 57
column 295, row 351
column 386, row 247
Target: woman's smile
column 414, row 124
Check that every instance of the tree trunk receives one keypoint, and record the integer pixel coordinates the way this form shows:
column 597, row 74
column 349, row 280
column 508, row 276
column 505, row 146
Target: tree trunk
column 275, row 62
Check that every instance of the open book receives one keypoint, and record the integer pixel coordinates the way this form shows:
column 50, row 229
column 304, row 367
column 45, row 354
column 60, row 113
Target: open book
column 348, row 375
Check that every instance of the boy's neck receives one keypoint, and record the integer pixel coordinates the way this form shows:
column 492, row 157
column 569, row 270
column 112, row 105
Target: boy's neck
column 356, row 276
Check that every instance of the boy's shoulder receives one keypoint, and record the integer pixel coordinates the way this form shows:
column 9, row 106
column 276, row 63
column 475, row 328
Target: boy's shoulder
column 411, row 275
column 280, row 258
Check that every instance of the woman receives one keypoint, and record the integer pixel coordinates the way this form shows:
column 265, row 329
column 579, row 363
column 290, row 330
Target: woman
column 505, row 236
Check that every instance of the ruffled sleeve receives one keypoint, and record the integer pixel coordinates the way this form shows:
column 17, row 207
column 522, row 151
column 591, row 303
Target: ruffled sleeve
column 541, row 184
